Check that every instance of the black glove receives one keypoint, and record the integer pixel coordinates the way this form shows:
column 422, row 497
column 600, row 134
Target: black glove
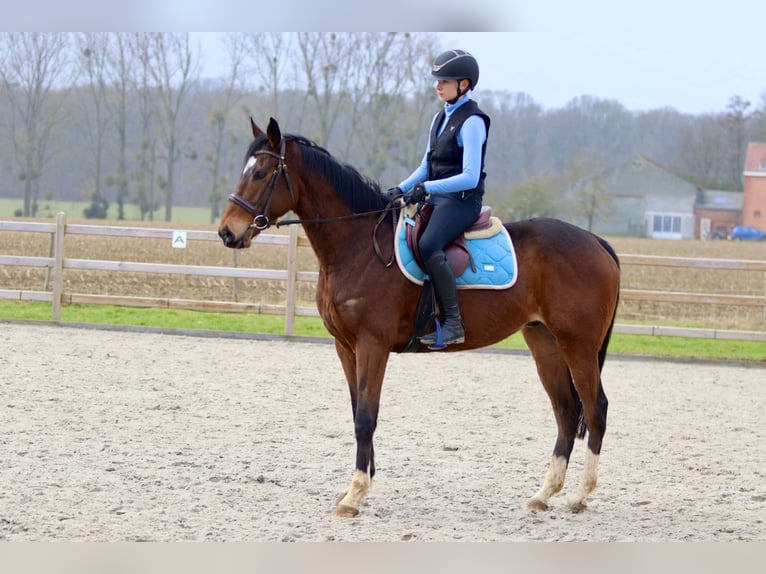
column 415, row 195
column 392, row 193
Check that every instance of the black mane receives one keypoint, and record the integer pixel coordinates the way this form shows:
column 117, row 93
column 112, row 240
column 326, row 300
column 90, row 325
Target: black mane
column 359, row 192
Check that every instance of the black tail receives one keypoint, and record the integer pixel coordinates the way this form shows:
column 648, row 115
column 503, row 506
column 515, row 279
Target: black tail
column 605, row 344
column 581, row 427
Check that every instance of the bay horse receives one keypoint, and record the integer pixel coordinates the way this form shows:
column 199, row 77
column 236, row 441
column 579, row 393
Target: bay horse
column 564, row 301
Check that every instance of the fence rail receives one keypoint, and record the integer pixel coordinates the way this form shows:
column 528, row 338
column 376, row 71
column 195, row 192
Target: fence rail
column 57, row 263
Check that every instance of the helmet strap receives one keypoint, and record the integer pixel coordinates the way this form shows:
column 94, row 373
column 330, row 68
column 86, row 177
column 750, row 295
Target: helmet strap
column 460, row 94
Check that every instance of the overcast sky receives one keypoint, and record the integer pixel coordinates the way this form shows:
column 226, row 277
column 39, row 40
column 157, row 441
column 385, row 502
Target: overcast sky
column 690, row 72
column 691, row 55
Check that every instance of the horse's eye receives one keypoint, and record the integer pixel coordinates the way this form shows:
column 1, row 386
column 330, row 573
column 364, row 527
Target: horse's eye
column 259, row 174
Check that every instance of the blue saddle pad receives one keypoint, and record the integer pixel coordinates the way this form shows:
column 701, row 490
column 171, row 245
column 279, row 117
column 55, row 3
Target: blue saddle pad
column 491, row 251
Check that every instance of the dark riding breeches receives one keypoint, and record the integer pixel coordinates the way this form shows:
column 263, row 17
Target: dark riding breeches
column 451, row 216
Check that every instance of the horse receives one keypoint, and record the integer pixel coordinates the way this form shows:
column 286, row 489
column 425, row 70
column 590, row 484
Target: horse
column 564, row 300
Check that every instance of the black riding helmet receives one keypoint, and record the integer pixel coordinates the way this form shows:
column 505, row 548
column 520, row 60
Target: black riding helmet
column 456, row 65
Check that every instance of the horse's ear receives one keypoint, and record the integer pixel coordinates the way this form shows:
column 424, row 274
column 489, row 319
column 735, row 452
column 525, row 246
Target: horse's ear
column 256, row 130
column 274, row 133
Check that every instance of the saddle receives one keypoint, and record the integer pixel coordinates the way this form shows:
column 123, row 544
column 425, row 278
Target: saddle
column 457, row 253
column 485, row 244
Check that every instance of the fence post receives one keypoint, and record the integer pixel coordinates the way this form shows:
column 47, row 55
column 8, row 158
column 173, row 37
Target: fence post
column 51, row 243
column 58, row 265
column 234, row 292
column 292, row 280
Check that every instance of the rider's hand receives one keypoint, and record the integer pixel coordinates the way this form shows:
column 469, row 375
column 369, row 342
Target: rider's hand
column 415, row 195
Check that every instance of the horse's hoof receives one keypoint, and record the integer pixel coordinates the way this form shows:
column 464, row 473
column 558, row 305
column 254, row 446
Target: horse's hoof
column 535, row 505
column 346, row 511
column 577, row 507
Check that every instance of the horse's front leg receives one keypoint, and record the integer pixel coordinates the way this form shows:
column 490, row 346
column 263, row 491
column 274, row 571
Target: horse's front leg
column 364, row 371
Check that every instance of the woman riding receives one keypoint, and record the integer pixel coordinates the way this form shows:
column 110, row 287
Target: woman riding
column 451, row 178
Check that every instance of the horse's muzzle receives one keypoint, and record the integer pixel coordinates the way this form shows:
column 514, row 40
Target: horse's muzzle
column 230, row 239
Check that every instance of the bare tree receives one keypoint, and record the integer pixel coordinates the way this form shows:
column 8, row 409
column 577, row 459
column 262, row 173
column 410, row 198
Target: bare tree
column 34, row 75
column 758, row 121
column 384, row 75
column 92, row 52
column 121, row 73
column 273, row 56
column 533, row 197
column 585, row 176
column 174, row 69
column 233, row 91
column 374, row 84
column 735, row 122
column 419, row 106
column 324, row 57
column 701, row 151
column 146, row 155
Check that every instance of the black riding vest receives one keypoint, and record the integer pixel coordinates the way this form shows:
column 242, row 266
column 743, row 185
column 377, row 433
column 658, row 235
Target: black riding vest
column 445, row 157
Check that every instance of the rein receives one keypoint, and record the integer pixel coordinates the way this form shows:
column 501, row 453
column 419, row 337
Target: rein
column 261, row 221
column 383, row 211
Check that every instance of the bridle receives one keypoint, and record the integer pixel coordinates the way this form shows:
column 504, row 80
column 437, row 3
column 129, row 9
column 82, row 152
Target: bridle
column 260, row 220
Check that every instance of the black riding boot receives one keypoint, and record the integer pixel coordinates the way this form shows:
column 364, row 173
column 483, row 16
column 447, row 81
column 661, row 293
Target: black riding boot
column 446, row 292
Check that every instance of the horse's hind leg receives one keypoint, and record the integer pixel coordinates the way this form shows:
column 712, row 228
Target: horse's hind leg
column 587, row 381
column 556, row 379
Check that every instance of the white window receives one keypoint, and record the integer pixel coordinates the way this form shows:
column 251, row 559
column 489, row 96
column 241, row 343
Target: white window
column 667, row 224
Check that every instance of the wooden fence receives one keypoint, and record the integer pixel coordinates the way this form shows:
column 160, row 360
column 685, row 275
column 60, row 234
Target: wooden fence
column 57, row 263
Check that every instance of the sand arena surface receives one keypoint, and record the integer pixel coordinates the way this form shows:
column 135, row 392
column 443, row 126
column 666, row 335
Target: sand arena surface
column 126, row 436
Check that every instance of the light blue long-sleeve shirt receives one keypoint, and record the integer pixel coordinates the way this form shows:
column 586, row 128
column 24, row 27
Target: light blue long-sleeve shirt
column 471, row 137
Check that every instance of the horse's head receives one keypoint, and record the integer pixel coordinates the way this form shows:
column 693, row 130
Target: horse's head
column 264, row 192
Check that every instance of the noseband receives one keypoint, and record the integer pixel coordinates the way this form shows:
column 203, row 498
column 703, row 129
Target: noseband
column 260, row 219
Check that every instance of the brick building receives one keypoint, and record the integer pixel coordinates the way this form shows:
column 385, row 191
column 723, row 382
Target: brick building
column 717, row 213
column 754, row 187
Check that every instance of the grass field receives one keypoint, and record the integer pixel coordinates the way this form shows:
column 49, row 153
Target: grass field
column 679, row 347
column 274, row 257
column 74, row 210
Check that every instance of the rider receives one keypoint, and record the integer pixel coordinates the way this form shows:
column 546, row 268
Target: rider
column 451, row 178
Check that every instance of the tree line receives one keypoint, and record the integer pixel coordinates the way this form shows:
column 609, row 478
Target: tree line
column 127, row 119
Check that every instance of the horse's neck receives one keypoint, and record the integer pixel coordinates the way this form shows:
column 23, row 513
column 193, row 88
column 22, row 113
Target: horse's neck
column 333, row 240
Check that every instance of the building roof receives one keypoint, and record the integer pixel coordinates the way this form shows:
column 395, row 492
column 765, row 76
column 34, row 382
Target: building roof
column 644, row 177
column 722, row 200
column 755, row 160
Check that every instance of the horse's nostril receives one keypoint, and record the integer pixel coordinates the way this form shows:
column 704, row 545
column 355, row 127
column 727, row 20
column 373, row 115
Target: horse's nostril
column 226, row 235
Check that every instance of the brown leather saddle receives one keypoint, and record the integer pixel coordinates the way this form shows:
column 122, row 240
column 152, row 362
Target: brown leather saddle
column 457, row 252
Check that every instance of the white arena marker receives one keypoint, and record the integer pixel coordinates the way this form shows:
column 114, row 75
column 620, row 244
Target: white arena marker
column 179, row 239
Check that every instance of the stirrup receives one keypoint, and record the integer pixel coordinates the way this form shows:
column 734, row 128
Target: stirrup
column 436, row 340
column 436, row 335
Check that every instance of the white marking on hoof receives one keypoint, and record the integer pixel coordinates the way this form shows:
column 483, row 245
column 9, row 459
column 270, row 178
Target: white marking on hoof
column 348, row 506
column 587, row 483
column 554, row 481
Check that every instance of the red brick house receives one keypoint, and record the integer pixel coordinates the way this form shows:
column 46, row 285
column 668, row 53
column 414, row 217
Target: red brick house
column 754, row 187
column 717, row 213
